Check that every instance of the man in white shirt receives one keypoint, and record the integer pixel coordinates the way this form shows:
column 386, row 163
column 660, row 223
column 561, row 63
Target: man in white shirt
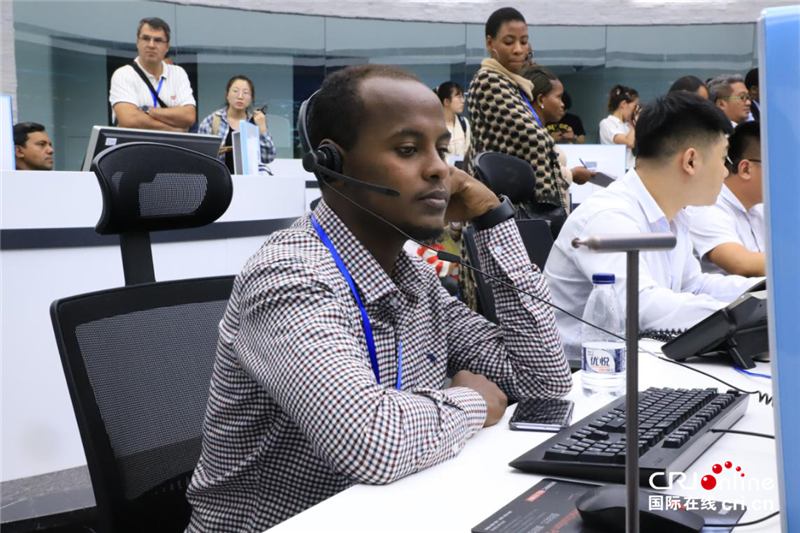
column 729, row 93
column 165, row 102
column 681, row 150
column 729, row 235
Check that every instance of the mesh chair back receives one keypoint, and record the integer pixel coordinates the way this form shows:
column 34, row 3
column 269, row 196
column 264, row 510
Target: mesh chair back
column 538, row 240
column 152, row 187
column 138, row 363
column 506, row 174
column 482, row 288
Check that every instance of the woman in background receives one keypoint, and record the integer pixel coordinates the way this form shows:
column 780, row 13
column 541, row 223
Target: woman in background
column 620, row 126
column 547, row 96
column 451, row 95
column 239, row 96
column 569, row 128
column 502, row 114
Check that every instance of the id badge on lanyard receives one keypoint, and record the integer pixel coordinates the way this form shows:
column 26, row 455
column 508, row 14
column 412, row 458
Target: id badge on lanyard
column 373, row 353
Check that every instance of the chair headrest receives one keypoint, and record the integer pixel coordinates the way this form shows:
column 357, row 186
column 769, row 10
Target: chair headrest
column 506, row 174
column 155, row 187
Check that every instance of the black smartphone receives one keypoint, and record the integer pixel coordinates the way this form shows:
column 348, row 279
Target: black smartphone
column 535, row 414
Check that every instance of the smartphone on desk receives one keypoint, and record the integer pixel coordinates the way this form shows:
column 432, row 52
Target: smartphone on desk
column 535, row 414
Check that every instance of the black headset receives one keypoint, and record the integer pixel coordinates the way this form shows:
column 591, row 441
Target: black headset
column 325, row 161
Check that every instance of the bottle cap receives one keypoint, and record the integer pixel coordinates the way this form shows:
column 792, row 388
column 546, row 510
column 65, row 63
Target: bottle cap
column 602, row 278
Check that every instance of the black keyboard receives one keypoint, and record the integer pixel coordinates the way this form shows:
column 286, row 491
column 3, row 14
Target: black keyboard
column 674, row 430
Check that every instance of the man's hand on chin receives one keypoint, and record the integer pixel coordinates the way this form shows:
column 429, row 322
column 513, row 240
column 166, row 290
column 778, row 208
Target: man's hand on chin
column 469, row 198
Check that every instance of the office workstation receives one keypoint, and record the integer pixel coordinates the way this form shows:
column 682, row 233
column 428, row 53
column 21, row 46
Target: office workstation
column 236, row 329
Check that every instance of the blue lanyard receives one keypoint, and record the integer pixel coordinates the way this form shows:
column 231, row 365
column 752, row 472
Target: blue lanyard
column 531, row 108
column 373, row 354
column 155, row 95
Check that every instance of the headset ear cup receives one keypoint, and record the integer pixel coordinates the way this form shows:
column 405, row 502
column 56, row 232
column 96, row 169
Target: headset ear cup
column 332, row 159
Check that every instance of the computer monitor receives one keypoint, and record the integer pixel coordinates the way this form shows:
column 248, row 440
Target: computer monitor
column 105, row 137
column 779, row 91
column 738, row 331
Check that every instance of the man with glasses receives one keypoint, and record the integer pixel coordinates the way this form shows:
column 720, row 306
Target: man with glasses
column 729, row 235
column 150, row 93
column 730, row 94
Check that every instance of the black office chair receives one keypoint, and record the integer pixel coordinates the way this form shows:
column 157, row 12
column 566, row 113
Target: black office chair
column 482, row 288
column 153, row 187
column 515, row 178
column 138, row 359
column 537, row 240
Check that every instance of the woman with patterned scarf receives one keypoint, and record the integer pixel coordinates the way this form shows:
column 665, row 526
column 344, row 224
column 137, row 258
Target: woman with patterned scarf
column 503, row 119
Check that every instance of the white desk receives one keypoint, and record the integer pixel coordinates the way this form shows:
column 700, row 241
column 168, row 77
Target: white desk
column 457, row 495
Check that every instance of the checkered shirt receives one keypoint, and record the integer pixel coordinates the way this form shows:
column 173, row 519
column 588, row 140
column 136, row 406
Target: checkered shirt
column 295, row 414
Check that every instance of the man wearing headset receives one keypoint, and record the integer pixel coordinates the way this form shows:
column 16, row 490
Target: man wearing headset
column 336, row 344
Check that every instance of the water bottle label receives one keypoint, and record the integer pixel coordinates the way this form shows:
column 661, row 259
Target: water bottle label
column 603, row 359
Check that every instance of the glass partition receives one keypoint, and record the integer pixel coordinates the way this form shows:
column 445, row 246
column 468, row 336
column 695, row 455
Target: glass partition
column 65, row 60
column 282, row 54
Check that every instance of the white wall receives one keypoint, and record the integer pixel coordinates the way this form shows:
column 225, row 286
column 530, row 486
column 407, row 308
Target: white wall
column 551, row 12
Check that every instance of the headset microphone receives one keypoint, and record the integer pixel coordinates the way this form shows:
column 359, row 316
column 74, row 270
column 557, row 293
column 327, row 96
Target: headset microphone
column 312, row 163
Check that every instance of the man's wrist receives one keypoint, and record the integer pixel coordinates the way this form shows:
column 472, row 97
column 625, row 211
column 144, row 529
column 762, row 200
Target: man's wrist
column 498, row 214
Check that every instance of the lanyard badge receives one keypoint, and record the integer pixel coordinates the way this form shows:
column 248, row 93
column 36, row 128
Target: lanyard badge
column 535, row 115
column 373, row 354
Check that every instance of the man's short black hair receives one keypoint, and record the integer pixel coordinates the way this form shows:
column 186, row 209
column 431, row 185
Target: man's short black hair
column 499, row 17
column 155, row 23
column 676, row 120
column 689, row 84
column 751, row 78
column 745, row 140
column 23, row 129
column 337, row 111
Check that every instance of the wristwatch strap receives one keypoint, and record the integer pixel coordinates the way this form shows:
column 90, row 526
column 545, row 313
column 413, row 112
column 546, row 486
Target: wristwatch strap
column 495, row 216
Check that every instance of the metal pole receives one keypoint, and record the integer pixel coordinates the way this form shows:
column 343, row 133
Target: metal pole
column 632, row 398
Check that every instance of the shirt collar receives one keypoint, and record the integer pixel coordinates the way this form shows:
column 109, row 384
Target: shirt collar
column 372, row 281
column 163, row 69
column 727, row 195
column 651, row 209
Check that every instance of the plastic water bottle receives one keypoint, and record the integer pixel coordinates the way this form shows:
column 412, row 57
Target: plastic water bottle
column 603, row 355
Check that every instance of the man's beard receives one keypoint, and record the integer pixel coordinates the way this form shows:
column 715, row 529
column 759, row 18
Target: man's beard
column 423, row 234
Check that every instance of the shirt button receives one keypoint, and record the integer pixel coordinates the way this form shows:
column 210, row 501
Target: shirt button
column 394, row 303
column 527, row 299
column 456, row 448
column 498, row 249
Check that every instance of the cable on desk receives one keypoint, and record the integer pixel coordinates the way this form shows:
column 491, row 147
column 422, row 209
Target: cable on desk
column 763, row 397
column 755, row 374
column 748, row 433
column 754, row 522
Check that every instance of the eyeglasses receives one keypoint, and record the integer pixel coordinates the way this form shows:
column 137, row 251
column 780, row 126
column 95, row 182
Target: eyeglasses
column 730, row 163
column 742, row 97
column 156, row 40
column 237, row 92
